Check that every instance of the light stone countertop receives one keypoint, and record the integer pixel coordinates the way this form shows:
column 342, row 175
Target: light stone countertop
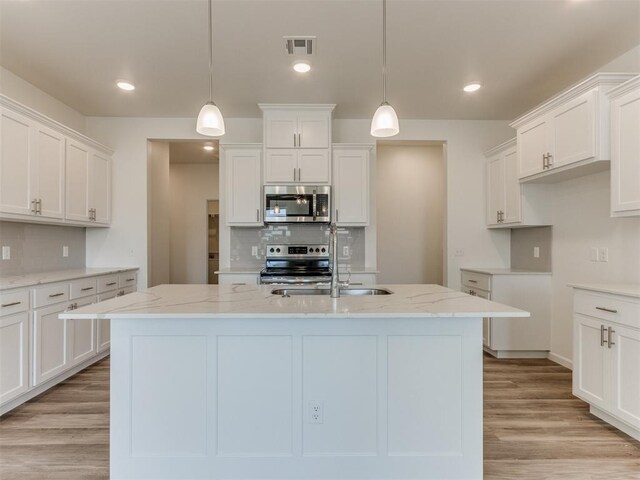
column 626, row 289
column 257, row 301
column 503, row 271
column 31, row 279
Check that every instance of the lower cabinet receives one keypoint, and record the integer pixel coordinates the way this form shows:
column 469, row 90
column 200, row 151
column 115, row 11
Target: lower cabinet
column 238, row 278
column 82, row 335
column 606, row 357
column 486, row 322
column 50, row 339
column 14, row 356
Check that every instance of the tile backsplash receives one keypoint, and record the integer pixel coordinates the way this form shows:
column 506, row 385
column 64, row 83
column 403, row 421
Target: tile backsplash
column 523, row 241
column 38, row 248
column 242, row 239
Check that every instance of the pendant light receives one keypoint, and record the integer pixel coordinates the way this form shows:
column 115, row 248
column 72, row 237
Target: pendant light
column 210, row 121
column 385, row 121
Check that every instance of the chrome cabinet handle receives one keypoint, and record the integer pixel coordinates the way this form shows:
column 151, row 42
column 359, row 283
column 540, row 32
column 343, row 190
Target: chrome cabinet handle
column 604, row 309
column 299, row 174
column 294, row 174
column 39, row 206
column 86, row 289
column 56, row 295
column 602, row 340
column 472, row 281
column 609, row 336
column 549, row 160
column 110, row 284
column 130, row 279
column 472, row 292
column 544, row 161
column 337, row 215
column 257, row 214
column 4, row 305
column 34, row 208
column 299, row 140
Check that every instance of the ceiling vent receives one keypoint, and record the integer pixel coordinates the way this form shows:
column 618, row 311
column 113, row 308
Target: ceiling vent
column 300, row 45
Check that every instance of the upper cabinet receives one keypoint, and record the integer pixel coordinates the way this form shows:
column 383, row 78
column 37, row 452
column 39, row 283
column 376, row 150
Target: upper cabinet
column 351, row 184
column 568, row 135
column 625, row 148
column 509, row 203
column 297, row 143
column 242, row 184
column 50, row 174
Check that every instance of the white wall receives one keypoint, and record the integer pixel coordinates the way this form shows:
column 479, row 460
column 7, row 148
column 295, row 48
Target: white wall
column 24, row 92
column 158, row 217
column 191, row 186
column 410, row 213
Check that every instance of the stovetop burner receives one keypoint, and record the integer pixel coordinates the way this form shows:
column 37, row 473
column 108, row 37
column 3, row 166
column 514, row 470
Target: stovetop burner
column 296, row 264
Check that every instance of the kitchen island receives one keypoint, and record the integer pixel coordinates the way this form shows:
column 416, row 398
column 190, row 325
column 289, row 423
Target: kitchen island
column 235, row 382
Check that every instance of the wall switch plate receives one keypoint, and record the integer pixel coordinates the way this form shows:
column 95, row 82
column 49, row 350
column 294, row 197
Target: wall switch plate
column 65, row 251
column 345, row 251
column 316, row 412
column 536, row 252
column 603, row 254
column 6, row 253
column 254, row 251
column 594, row 254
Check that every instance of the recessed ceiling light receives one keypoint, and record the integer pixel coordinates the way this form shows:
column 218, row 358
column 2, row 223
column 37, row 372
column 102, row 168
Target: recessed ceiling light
column 124, row 85
column 472, row 87
column 302, row 66
column 208, row 148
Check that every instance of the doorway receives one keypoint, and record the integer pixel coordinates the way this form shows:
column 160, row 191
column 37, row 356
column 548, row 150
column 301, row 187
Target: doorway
column 411, row 212
column 213, row 240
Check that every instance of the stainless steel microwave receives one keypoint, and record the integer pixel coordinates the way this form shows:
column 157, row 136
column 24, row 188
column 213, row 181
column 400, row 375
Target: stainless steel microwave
column 297, row 204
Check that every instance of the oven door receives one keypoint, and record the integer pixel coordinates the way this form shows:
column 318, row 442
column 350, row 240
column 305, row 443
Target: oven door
column 297, row 204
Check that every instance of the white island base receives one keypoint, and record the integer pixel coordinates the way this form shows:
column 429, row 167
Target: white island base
column 337, row 394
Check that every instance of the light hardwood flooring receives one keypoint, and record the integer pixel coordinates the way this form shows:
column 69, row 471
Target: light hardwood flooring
column 534, row 429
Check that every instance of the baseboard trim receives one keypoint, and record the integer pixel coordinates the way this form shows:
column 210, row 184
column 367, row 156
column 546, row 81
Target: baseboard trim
column 516, row 353
column 560, row 360
column 620, row 425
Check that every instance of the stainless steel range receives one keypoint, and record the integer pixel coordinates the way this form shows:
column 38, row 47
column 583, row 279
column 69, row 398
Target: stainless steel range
column 297, row 265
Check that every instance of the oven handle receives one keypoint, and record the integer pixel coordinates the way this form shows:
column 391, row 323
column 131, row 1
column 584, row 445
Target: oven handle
column 314, row 205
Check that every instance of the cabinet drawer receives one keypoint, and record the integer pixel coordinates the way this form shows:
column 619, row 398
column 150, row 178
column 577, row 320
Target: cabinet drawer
column 83, row 287
column 107, row 283
column 127, row 279
column 477, row 280
column 14, row 302
column 50, row 294
column 476, row 292
column 608, row 307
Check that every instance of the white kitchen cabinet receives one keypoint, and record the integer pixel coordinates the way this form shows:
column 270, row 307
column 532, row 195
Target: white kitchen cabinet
column 509, row 203
column 244, row 278
column 31, row 167
column 625, row 148
column 351, row 184
column 283, row 166
column 606, row 356
column 82, row 341
column 50, row 343
column 243, row 186
column 100, row 187
column 14, row 356
column 513, row 337
column 568, row 135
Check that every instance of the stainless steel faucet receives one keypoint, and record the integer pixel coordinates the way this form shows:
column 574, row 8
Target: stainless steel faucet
column 336, row 284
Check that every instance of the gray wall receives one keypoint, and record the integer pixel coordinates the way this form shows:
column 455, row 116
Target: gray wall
column 523, row 240
column 38, row 248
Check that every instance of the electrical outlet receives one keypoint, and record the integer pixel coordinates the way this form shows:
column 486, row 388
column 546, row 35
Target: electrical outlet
column 345, row 251
column 536, row 252
column 594, row 254
column 6, row 253
column 316, row 412
column 459, row 253
column 65, row 251
column 254, row 251
column 603, row 254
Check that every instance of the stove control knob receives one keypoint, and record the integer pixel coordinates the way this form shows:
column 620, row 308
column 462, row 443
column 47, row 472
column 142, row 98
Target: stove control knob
column 317, row 250
column 323, row 250
column 277, row 250
column 271, row 250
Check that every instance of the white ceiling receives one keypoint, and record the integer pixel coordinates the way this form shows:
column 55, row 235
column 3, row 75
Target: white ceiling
column 522, row 50
column 192, row 152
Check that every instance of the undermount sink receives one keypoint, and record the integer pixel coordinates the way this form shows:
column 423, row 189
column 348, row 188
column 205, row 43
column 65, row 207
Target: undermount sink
column 287, row 292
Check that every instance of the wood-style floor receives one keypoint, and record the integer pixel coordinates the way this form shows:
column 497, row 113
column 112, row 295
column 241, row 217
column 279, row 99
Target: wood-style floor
column 534, row 429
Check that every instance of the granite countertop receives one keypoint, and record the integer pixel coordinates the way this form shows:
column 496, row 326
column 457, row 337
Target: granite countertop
column 257, row 301
column 503, row 271
column 626, row 289
column 31, row 279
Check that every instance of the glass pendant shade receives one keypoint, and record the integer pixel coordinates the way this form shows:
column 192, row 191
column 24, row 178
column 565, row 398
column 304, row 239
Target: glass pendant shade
column 210, row 121
column 385, row 122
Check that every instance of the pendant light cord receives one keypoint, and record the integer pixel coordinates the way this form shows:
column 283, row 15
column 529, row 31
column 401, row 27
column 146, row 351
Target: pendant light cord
column 210, row 56
column 384, row 51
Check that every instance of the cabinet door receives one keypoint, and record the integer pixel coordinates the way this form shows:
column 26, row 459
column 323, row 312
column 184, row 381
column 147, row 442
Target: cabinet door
column 281, row 129
column 512, row 193
column 50, row 343
column 281, row 166
column 82, row 336
column 104, row 324
column 14, row 356
column 49, row 148
column 243, row 187
column 100, row 187
column 590, row 365
column 314, row 166
column 532, row 145
column 314, row 130
column 495, row 188
column 16, row 168
column 486, row 321
column 351, row 186
column 572, row 130
column 625, row 351
column 625, row 152
column 77, row 182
